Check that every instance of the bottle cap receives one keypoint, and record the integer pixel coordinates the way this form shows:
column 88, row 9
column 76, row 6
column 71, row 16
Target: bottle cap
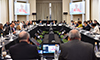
column 96, row 43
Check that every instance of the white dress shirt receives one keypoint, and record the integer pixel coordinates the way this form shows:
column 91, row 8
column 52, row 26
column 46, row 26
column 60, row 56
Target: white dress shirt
column 96, row 30
column 21, row 25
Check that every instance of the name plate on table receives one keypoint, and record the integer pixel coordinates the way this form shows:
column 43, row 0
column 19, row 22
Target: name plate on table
column 54, row 25
column 60, row 24
column 48, row 25
column 86, row 32
column 44, row 24
column 31, row 26
column 41, row 25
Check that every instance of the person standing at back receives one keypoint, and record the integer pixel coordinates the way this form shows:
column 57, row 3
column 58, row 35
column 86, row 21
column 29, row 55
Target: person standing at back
column 23, row 50
column 75, row 49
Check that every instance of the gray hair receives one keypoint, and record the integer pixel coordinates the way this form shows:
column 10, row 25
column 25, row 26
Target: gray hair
column 24, row 35
column 74, row 35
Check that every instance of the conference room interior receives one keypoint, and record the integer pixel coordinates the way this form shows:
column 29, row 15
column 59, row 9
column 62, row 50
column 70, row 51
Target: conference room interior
column 49, row 30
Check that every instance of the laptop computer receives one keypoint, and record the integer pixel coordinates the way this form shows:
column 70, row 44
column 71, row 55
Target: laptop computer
column 49, row 49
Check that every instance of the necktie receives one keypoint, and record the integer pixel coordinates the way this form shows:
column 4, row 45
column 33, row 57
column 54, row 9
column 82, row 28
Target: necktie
column 13, row 29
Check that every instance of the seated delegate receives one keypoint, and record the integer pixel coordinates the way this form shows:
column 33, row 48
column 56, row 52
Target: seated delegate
column 23, row 50
column 86, row 26
column 80, row 24
column 75, row 49
column 95, row 28
column 10, row 29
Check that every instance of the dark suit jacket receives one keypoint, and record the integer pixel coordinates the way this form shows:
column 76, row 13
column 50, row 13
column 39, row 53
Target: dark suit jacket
column 87, row 28
column 25, row 25
column 8, row 29
column 24, row 51
column 1, row 31
column 77, row 50
column 6, row 25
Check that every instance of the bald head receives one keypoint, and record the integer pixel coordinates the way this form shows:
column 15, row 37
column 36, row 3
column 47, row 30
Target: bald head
column 7, row 23
column 30, row 22
column 74, row 34
column 24, row 35
column 12, row 25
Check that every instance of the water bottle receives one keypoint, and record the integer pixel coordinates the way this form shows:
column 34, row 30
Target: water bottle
column 3, row 50
column 98, row 52
column 96, row 47
column 56, row 52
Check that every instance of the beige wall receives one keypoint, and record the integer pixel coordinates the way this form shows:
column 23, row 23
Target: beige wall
column 65, row 5
column 11, row 10
column 21, row 17
column 65, row 8
column 43, row 9
column 94, row 9
column 32, row 9
column 4, row 11
column 75, row 17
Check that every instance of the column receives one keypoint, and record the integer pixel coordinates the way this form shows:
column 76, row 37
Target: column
column 99, row 10
column 14, row 12
column 71, row 14
column 27, row 17
column 65, row 9
column 34, row 9
column 0, row 10
column 88, row 9
column 11, row 13
column 4, row 11
column 83, row 14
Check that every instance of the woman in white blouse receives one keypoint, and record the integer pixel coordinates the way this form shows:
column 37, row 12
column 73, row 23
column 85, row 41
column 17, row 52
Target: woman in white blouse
column 95, row 28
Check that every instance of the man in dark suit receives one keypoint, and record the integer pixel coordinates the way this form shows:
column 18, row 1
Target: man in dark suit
column 86, row 26
column 23, row 50
column 75, row 49
column 10, row 28
column 6, row 25
column 72, row 22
